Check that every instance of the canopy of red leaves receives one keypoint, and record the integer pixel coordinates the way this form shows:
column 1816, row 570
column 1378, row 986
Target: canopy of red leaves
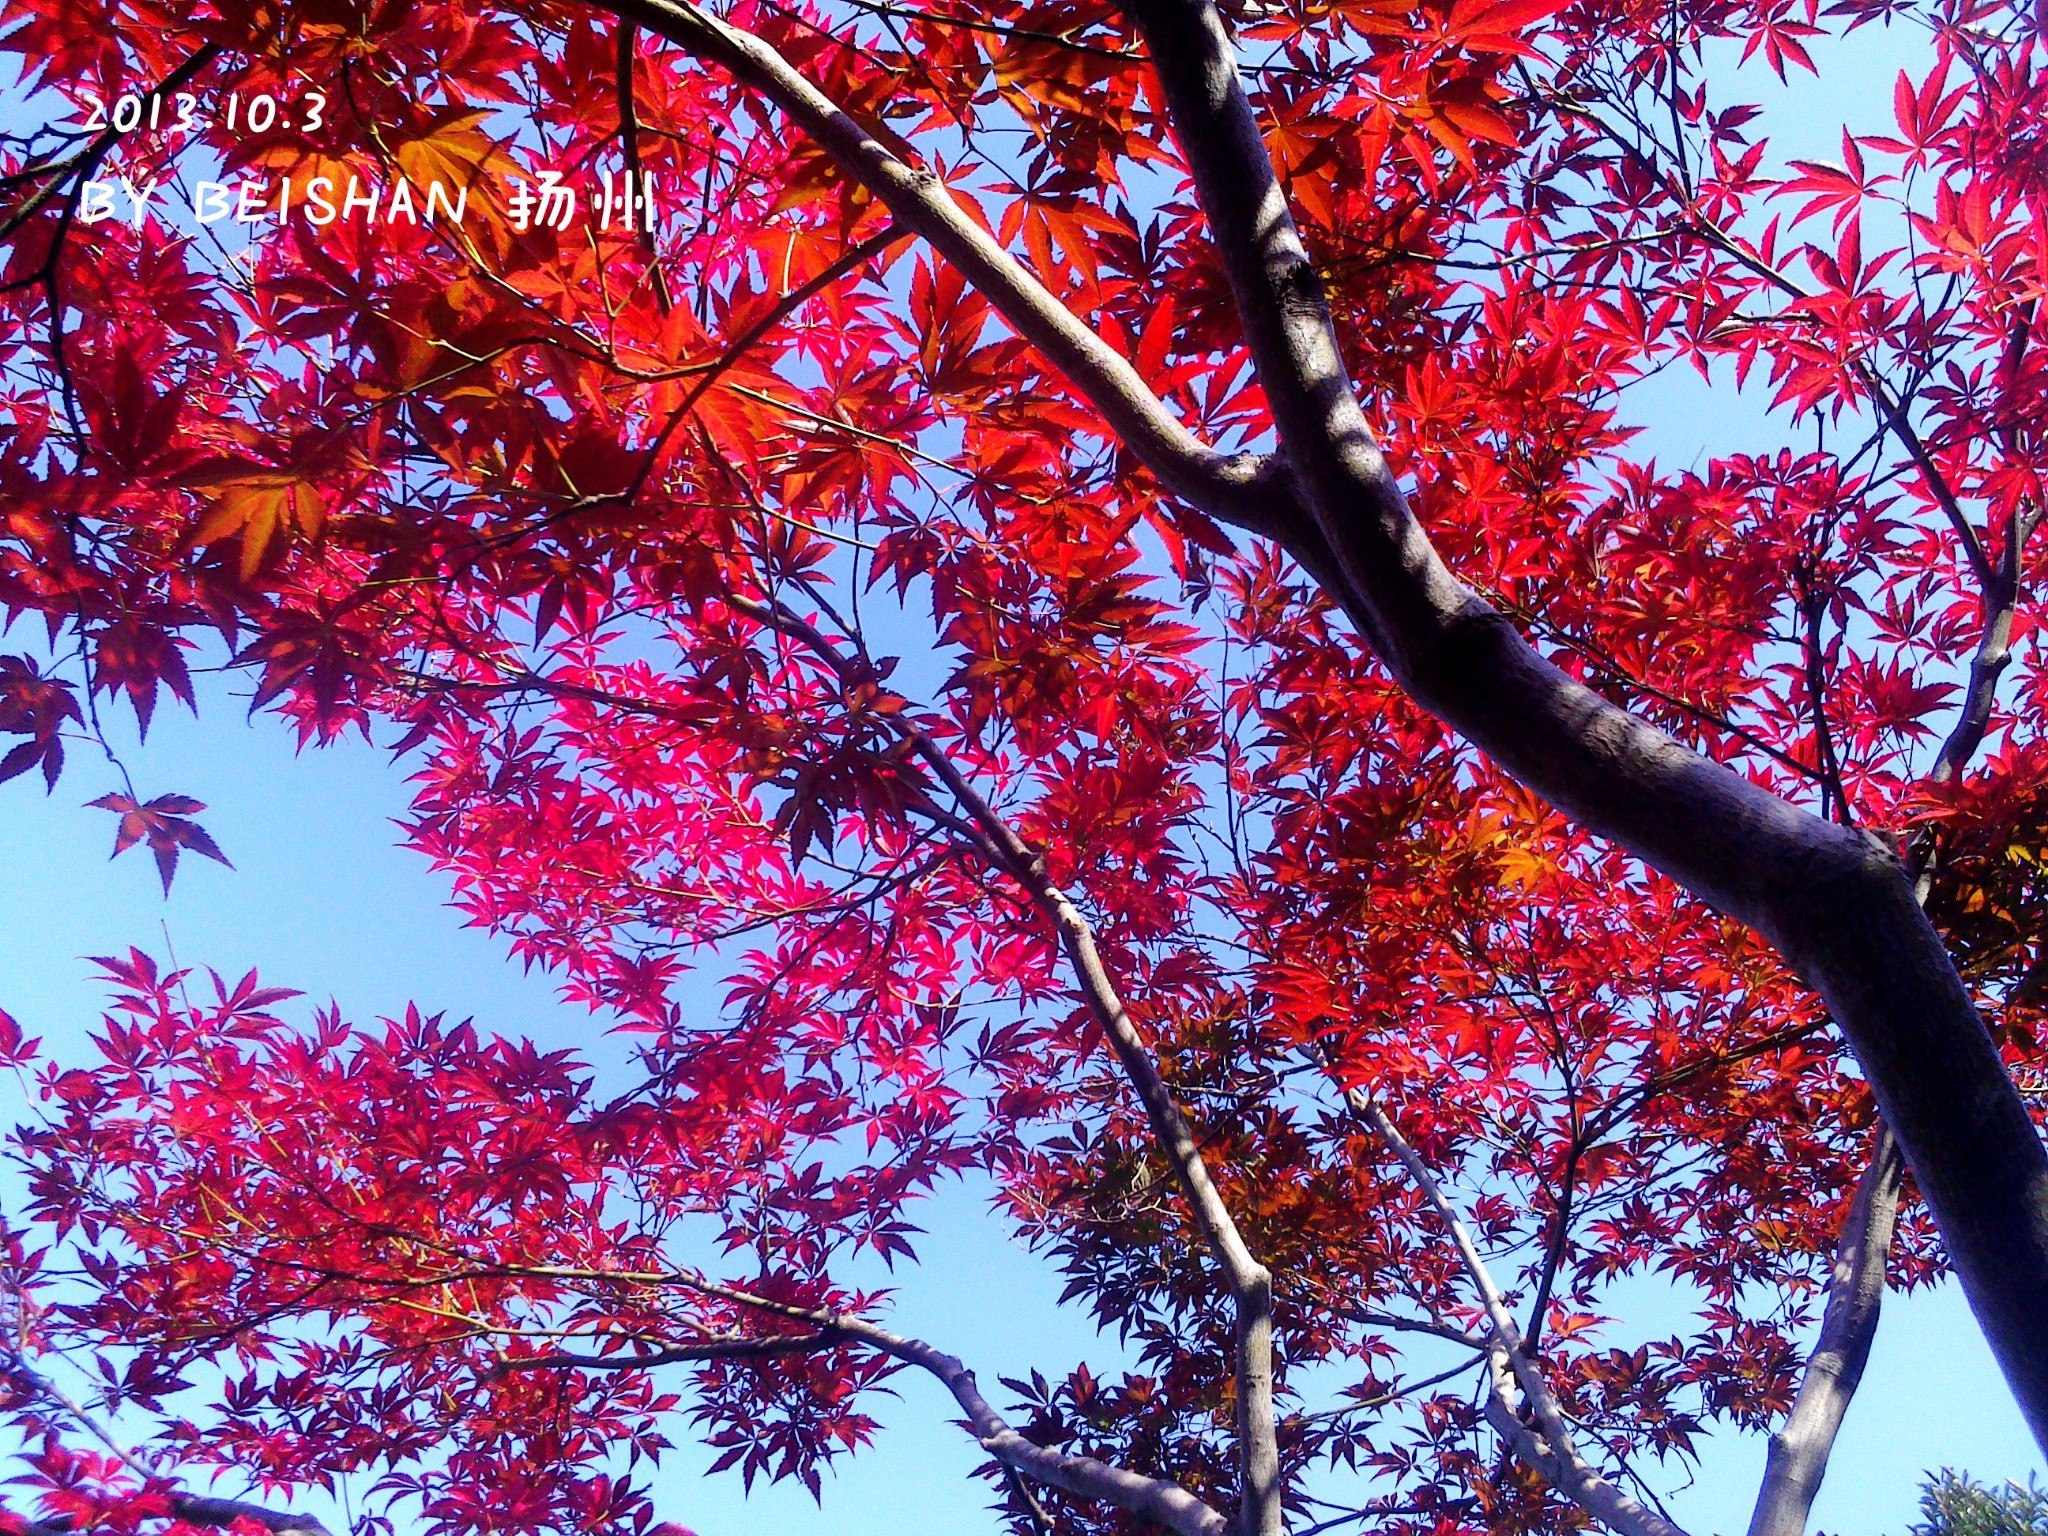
column 657, row 550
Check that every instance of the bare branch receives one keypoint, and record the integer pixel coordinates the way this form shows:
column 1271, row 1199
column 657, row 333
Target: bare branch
column 717, row 1347
column 853, row 257
column 629, row 147
column 1168, row 1504
column 1435, row 1330
column 1249, row 1282
column 1545, row 1446
column 78, row 167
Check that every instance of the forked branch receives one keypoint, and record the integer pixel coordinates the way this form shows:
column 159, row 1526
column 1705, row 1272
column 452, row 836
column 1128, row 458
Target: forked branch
column 1166, row 1504
column 1836, row 903
column 1249, row 1283
column 1543, row 1440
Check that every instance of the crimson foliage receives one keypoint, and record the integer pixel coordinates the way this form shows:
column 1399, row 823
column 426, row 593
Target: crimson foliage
column 740, row 585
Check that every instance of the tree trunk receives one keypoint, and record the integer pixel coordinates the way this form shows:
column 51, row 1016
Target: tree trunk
column 1799, row 1450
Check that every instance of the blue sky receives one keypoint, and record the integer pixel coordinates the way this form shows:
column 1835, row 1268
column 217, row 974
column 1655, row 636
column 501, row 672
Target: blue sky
column 322, row 899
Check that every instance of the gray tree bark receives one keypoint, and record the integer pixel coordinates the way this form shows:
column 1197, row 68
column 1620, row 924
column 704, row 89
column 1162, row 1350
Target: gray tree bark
column 1835, row 902
column 1798, row 1458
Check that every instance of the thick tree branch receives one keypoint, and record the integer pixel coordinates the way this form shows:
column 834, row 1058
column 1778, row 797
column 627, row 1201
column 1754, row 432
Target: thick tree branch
column 1799, row 1450
column 1167, row 1504
column 1242, row 488
column 1836, row 903
column 1251, row 1285
column 1999, row 594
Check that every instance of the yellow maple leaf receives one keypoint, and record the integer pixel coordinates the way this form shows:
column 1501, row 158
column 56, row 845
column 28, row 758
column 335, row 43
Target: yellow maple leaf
column 456, row 152
column 259, row 502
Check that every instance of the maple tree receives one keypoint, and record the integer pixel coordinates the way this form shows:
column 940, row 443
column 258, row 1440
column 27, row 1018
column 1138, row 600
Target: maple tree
column 1094, row 576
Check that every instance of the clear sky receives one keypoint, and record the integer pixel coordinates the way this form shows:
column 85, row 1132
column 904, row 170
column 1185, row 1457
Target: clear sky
column 322, row 899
